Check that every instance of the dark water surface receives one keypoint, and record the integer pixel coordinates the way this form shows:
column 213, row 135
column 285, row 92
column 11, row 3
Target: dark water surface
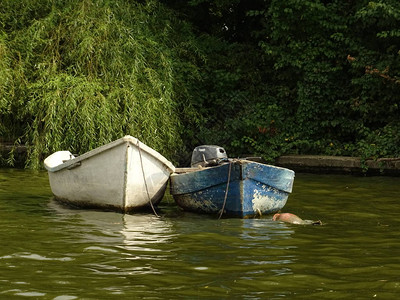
column 50, row 251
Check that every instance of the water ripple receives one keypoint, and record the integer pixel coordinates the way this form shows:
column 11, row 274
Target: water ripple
column 33, row 256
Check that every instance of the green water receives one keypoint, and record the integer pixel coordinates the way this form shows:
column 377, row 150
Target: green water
column 50, row 251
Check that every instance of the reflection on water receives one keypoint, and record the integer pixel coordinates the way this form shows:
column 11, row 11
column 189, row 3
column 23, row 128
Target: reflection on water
column 133, row 232
column 51, row 251
column 132, row 237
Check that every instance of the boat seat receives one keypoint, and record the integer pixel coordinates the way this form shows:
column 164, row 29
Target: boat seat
column 57, row 158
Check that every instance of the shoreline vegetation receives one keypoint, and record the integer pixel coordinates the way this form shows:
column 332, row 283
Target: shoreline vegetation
column 272, row 78
column 317, row 164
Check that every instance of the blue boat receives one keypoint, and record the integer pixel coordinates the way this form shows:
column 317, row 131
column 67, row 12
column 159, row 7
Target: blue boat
column 231, row 187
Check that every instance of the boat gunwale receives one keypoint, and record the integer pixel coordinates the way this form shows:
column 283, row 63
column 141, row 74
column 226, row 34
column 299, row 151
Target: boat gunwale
column 184, row 170
column 126, row 139
column 242, row 163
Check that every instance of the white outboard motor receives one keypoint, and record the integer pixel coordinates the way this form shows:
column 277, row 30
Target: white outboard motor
column 208, row 155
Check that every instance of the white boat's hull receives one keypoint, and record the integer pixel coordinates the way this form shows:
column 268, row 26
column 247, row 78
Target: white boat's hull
column 124, row 175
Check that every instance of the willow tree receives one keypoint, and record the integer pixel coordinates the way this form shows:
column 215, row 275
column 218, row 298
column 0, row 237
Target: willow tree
column 77, row 74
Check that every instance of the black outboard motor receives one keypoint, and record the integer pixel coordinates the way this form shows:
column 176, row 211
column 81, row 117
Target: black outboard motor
column 208, row 155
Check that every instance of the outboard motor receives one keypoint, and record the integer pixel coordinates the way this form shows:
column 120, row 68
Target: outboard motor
column 208, row 155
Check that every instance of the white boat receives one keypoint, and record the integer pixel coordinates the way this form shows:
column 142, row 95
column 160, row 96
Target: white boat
column 124, row 175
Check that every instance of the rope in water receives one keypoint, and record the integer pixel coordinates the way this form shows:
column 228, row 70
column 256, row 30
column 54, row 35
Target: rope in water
column 144, row 179
column 226, row 190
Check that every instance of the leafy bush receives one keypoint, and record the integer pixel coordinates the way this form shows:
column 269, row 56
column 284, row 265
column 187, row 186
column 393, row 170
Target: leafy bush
column 78, row 74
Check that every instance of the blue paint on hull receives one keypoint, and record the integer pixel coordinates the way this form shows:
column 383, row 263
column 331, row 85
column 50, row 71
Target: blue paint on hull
column 254, row 189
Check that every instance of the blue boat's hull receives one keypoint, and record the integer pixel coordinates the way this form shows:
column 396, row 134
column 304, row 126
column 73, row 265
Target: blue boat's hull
column 253, row 189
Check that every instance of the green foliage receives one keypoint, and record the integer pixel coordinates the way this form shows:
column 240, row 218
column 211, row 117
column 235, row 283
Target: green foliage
column 87, row 72
column 262, row 77
column 334, row 77
column 306, row 77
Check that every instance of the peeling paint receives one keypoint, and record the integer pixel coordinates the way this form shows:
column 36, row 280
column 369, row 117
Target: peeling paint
column 267, row 200
column 191, row 203
column 254, row 189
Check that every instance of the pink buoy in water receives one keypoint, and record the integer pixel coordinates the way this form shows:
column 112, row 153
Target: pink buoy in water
column 293, row 219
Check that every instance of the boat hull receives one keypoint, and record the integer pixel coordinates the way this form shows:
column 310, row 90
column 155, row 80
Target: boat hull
column 253, row 189
column 124, row 175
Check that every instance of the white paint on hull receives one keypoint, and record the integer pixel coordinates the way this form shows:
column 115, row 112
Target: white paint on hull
column 110, row 176
column 266, row 201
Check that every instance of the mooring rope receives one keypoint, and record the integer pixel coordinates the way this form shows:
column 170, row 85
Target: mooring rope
column 144, row 179
column 226, row 190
